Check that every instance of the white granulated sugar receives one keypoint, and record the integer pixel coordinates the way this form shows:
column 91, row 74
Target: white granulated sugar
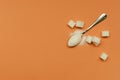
column 96, row 41
column 103, row 56
column 105, row 33
column 74, row 40
column 80, row 24
column 71, row 24
column 76, row 32
column 83, row 41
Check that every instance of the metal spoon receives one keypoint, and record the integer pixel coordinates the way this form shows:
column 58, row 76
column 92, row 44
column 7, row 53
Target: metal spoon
column 75, row 39
column 99, row 19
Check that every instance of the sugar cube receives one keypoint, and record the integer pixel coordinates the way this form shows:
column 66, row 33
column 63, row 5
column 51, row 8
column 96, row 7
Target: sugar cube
column 79, row 24
column 105, row 33
column 103, row 56
column 96, row 41
column 89, row 39
column 71, row 24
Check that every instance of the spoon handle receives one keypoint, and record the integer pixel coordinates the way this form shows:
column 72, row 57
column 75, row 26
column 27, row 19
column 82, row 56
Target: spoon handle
column 99, row 19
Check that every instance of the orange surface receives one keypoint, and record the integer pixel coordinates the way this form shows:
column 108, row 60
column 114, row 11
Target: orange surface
column 33, row 37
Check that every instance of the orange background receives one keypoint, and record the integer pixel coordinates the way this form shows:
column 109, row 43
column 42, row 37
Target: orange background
column 34, row 34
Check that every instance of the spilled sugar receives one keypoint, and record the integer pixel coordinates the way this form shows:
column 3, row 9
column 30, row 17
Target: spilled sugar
column 83, row 41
